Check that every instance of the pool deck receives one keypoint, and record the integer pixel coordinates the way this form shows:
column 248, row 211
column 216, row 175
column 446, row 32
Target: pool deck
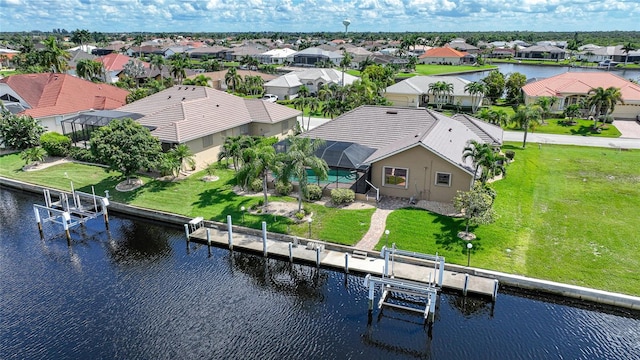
column 419, row 271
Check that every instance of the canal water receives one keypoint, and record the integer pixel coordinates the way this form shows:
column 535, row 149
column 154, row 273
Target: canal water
column 138, row 292
column 541, row 72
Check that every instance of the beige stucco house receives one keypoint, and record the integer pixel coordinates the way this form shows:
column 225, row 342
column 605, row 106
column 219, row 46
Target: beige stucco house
column 415, row 153
column 571, row 87
column 414, row 92
column 202, row 117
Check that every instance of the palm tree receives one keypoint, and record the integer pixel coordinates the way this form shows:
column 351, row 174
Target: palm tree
column 158, row 62
column 300, row 157
column 345, row 63
column 314, row 105
column 199, row 80
column 232, row 78
column 325, row 93
column 527, row 117
column 258, row 163
column 80, row 37
column 438, row 89
column 478, row 152
column 546, row 103
column 33, row 155
column 492, row 166
column 603, row 101
column 627, row 48
column 331, row 108
column 572, row 111
column 53, row 57
column 233, row 147
column 476, row 89
column 179, row 63
column 303, row 91
column 184, row 155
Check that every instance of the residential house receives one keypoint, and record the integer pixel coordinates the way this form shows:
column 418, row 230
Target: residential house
column 462, row 46
column 217, row 52
column 445, row 55
column 502, row 53
column 313, row 55
column 252, row 50
column 572, row 87
column 409, row 153
column 276, row 56
column 201, row 118
column 218, row 77
column 51, row 98
column 76, row 56
column 414, row 92
column 287, row 86
column 114, row 64
column 381, row 59
column 542, row 52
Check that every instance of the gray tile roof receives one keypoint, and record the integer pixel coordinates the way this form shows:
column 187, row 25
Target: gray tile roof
column 420, row 85
column 183, row 113
column 391, row 130
column 489, row 133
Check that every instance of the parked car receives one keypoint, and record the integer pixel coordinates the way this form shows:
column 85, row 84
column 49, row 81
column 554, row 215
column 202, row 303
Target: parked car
column 608, row 63
column 270, row 98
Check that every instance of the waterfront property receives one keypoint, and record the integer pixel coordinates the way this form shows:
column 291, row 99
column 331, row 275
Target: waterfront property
column 201, row 118
column 413, row 153
column 288, row 85
column 415, row 92
column 51, row 98
column 572, row 87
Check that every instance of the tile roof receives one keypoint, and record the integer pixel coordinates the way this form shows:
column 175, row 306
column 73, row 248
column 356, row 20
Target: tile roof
column 299, row 77
column 418, row 85
column 390, row 130
column 580, row 83
column 442, row 52
column 116, row 62
column 56, row 94
column 183, row 113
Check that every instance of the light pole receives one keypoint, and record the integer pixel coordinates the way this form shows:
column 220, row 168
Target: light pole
column 310, row 220
column 242, row 209
column 386, row 242
column 469, row 246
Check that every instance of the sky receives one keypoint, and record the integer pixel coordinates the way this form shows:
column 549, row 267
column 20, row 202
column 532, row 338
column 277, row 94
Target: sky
column 319, row 15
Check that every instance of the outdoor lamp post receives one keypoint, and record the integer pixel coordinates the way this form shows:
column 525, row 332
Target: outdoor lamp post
column 310, row 221
column 469, row 246
column 386, row 242
column 242, row 209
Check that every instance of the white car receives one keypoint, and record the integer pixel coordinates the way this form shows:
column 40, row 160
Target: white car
column 270, row 98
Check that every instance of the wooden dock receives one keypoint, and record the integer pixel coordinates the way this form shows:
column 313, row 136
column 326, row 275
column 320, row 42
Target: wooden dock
column 313, row 252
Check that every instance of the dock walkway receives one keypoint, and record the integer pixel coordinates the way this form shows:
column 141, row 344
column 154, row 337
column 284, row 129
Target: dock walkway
column 305, row 251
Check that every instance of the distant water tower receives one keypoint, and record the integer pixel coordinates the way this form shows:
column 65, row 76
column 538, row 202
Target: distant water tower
column 346, row 23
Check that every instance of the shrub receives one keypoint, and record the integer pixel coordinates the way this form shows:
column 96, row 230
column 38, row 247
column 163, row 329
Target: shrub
column 315, row 192
column 256, row 185
column 283, row 188
column 300, row 215
column 510, row 154
column 55, row 144
column 81, row 154
column 342, row 196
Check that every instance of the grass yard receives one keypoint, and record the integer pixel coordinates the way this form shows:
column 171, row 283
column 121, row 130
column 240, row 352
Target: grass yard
column 567, row 213
column 193, row 197
column 428, row 69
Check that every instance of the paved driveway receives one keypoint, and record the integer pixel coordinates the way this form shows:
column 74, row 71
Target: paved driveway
column 628, row 128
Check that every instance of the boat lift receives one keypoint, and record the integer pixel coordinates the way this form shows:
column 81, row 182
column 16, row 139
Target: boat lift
column 389, row 285
column 81, row 208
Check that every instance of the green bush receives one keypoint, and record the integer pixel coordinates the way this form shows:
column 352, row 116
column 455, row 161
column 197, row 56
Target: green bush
column 82, row 155
column 315, row 192
column 300, row 215
column 283, row 188
column 256, row 185
column 342, row 196
column 55, row 144
column 510, row 154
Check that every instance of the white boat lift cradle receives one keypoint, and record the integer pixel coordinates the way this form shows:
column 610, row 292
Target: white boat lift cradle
column 390, row 286
column 82, row 208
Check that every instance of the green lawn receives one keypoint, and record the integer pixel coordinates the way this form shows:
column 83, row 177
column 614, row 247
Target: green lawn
column 567, row 213
column 193, row 197
column 427, row 69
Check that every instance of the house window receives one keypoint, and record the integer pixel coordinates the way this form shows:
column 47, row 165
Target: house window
column 396, row 177
column 285, row 126
column 443, row 179
column 207, row 141
column 244, row 129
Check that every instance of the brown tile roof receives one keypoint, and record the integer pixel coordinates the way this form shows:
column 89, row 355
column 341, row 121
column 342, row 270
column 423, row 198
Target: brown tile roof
column 581, row 83
column 116, row 62
column 183, row 113
column 57, row 94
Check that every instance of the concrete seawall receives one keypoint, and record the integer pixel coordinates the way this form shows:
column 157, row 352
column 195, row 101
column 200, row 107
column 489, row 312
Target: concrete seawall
column 571, row 291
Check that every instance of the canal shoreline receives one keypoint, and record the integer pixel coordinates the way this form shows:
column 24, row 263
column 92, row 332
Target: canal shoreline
column 512, row 280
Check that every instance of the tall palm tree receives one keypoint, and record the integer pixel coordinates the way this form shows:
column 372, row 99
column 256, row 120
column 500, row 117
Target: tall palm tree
column 439, row 89
column 232, row 78
column 179, row 64
column 478, row 152
column 300, row 157
column 158, row 62
column 199, row 80
column 233, row 147
column 345, row 63
column 627, row 48
column 527, row 117
column 258, row 163
column 314, row 105
column 184, row 155
column 603, row 101
column 53, row 57
column 476, row 89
